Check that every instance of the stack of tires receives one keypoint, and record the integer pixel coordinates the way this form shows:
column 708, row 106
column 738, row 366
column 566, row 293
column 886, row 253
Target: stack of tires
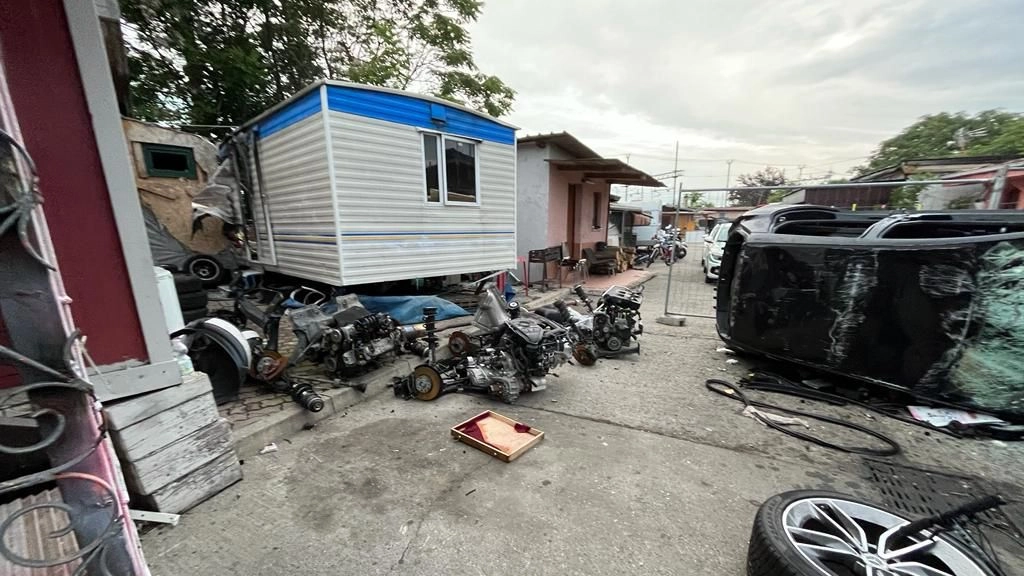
column 191, row 296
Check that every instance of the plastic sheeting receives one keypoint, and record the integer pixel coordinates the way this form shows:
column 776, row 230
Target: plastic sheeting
column 166, row 249
column 220, row 196
column 409, row 309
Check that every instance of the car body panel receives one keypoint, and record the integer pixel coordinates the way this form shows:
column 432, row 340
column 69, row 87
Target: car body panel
column 940, row 317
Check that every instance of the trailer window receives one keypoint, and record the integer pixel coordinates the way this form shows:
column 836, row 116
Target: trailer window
column 451, row 178
column 460, row 171
column 430, row 165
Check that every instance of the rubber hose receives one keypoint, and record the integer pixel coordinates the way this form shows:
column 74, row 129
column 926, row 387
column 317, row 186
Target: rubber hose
column 730, row 390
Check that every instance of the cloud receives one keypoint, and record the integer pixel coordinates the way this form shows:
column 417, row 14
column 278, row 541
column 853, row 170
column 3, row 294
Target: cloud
column 789, row 83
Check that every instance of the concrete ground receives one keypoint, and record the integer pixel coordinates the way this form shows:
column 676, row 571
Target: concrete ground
column 641, row 471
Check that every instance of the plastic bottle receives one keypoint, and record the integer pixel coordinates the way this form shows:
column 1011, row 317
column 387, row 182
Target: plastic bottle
column 181, row 355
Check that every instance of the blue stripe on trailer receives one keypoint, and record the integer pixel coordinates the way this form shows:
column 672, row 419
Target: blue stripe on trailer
column 412, row 111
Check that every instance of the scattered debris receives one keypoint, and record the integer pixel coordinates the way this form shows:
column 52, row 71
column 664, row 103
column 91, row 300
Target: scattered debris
column 156, row 517
column 272, row 447
column 471, row 491
column 732, row 361
column 761, row 416
column 947, row 416
column 724, row 349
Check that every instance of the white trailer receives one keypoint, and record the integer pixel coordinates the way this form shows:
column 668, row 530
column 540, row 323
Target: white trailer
column 351, row 184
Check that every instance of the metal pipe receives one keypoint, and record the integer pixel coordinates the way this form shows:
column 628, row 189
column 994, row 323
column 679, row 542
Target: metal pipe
column 886, row 184
column 675, row 176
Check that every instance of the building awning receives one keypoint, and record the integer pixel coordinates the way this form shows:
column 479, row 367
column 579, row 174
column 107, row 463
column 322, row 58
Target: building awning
column 639, row 217
column 611, row 170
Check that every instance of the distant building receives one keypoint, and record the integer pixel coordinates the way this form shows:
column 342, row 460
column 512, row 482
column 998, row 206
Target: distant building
column 879, row 197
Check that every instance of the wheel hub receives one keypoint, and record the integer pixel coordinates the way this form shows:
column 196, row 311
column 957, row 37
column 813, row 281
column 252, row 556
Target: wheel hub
column 422, row 383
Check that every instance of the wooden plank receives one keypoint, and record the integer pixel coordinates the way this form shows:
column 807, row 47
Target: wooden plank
column 184, row 493
column 124, row 414
column 149, row 474
column 152, row 434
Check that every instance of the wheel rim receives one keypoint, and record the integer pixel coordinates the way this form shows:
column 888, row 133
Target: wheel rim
column 843, row 538
column 203, row 269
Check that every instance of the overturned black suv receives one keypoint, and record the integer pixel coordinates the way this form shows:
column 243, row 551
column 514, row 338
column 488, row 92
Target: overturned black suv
column 931, row 303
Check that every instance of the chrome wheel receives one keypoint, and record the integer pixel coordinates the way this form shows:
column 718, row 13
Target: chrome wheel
column 844, row 538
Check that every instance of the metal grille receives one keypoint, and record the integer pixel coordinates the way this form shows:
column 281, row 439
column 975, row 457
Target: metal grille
column 917, row 493
column 688, row 292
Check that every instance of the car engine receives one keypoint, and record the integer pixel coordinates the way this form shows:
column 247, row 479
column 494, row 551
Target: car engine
column 513, row 355
column 612, row 327
column 348, row 341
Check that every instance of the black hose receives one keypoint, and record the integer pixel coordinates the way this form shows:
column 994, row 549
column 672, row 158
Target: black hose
column 768, row 382
column 730, row 390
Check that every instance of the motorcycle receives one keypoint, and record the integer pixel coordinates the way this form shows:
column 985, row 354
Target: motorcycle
column 514, row 355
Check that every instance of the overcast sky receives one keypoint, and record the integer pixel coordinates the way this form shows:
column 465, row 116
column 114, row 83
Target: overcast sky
column 818, row 83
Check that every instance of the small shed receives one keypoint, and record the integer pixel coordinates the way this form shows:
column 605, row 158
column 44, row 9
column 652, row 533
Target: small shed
column 350, row 184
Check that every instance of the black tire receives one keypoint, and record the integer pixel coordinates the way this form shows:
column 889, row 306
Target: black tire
column 709, row 280
column 187, row 283
column 192, row 300
column 771, row 554
column 207, row 268
column 191, row 314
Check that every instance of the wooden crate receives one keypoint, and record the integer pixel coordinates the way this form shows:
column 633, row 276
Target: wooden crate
column 499, row 436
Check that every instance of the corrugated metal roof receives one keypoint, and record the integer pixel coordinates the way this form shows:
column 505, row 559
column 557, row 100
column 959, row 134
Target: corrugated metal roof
column 318, row 83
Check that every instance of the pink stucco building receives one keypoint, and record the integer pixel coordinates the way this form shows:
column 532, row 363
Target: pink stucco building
column 563, row 189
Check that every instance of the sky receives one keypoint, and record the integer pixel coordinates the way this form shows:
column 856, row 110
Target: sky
column 811, row 87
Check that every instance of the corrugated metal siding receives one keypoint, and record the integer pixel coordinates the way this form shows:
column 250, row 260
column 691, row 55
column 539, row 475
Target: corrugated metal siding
column 389, row 232
column 294, row 163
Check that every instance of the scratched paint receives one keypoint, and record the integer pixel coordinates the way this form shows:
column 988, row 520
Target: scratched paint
column 854, row 289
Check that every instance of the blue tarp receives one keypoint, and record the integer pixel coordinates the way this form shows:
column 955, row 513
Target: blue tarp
column 409, row 309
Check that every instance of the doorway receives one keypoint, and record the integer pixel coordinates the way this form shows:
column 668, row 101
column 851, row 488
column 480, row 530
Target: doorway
column 572, row 235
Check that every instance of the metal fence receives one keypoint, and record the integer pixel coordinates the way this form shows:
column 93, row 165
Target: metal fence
column 689, row 294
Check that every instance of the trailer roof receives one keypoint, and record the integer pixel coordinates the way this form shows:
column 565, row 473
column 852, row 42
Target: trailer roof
column 318, row 83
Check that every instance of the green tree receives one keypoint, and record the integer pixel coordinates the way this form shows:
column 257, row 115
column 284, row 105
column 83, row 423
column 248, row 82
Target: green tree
column 769, row 176
column 221, row 62
column 696, row 200
column 1009, row 141
column 935, row 136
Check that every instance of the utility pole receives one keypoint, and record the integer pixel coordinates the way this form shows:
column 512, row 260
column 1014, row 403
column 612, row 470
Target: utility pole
column 728, row 172
column 800, row 174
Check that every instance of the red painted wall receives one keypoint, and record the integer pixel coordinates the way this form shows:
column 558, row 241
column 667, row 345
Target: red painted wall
column 50, row 105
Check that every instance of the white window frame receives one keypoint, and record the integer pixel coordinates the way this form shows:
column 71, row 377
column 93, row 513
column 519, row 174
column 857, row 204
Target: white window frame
column 442, row 172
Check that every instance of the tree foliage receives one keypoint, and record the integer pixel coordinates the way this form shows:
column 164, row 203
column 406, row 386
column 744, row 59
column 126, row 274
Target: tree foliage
column 221, row 62
column 696, row 200
column 934, row 136
column 769, row 176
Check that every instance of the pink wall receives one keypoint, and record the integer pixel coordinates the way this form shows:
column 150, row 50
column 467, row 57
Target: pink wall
column 558, row 199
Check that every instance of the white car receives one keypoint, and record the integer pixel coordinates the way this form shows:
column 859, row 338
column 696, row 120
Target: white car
column 714, row 245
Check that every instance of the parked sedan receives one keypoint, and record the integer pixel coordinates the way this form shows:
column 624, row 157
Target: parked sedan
column 714, row 244
column 929, row 303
